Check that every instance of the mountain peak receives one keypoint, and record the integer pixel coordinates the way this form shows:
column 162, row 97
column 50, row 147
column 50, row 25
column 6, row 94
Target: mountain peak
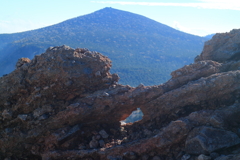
column 109, row 9
column 110, row 18
column 135, row 43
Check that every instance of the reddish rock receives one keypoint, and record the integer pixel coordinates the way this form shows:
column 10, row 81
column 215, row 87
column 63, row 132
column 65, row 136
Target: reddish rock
column 65, row 104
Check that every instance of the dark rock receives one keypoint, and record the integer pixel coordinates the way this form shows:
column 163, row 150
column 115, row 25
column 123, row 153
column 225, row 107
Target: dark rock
column 156, row 158
column 204, row 140
column 23, row 117
column 185, row 157
column 203, row 157
column 130, row 155
column 93, row 144
column 115, row 158
column 103, row 133
column 97, row 137
column 145, row 157
column 6, row 114
column 229, row 157
column 214, row 155
column 101, row 143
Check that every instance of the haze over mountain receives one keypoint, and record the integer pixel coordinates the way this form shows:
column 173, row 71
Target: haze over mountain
column 142, row 50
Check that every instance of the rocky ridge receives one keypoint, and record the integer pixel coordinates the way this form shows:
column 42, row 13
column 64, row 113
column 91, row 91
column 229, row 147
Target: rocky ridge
column 65, row 104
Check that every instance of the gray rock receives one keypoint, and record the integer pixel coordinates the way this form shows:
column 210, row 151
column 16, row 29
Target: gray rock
column 98, row 73
column 203, row 157
column 97, row 137
column 105, row 94
column 22, row 117
column 81, row 146
column 7, row 103
column 229, row 157
column 7, row 114
column 40, row 111
column 185, row 157
column 204, row 140
column 101, row 143
column 45, row 88
column 43, row 117
column 93, row 144
column 145, row 157
column 74, row 105
column 216, row 120
column 37, row 112
column 214, row 155
column 130, row 155
column 114, row 157
column 103, row 133
column 156, row 158
column 70, row 132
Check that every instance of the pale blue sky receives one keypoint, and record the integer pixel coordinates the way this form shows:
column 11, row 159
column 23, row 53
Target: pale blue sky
column 199, row 17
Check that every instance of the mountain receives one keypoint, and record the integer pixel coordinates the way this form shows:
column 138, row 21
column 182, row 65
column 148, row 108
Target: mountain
column 209, row 36
column 142, row 50
column 65, row 104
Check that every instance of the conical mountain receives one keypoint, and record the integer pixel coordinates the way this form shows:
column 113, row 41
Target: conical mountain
column 142, row 50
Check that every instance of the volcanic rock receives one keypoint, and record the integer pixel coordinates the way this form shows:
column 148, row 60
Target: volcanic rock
column 65, row 104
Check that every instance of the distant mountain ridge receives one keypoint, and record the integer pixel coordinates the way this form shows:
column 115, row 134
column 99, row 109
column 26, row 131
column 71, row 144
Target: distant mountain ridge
column 210, row 36
column 142, row 50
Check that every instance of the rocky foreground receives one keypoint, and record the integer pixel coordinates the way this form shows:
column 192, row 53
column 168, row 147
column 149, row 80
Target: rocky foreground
column 65, row 104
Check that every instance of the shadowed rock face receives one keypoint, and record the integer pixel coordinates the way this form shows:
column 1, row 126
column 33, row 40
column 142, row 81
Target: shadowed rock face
column 65, row 104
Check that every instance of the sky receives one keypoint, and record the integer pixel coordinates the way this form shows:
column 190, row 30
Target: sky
column 198, row 17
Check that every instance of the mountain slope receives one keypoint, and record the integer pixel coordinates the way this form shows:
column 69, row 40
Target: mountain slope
column 142, row 50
